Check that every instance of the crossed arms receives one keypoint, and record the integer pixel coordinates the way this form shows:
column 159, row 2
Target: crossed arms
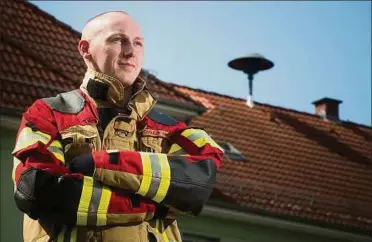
column 125, row 186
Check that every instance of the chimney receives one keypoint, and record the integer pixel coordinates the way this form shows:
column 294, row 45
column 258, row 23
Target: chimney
column 327, row 108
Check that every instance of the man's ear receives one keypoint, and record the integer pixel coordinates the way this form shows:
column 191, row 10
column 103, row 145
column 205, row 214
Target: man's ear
column 84, row 49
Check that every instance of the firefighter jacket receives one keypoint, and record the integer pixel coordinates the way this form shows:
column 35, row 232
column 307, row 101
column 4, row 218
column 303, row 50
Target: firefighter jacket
column 147, row 168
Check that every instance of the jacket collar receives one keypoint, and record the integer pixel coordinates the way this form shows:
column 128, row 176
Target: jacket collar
column 140, row 103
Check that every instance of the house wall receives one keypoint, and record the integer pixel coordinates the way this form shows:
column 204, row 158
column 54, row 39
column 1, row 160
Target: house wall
column 11, row 222
column 236, row 231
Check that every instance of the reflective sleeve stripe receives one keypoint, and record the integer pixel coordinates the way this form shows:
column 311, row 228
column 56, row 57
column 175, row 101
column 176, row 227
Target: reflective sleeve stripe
column 15, row 164
column 103, row 206
column 156, row 176
column 164, row 178
column 67, row 235
column 29, row 137
column 57, row 151
column 61, row 235
column 194, row 134
column 94, row 203
column 86, row 195
column 200, row 138
column 175, row 149
column 73, row 235
column 147, row 174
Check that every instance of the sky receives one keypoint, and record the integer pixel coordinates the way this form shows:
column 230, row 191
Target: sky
column 319, row 49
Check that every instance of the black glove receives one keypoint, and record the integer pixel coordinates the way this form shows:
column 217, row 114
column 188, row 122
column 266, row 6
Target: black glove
column 48, row 197
column 33, row 189
column 83, row 164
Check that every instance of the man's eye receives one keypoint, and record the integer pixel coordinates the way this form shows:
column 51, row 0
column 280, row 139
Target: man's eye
column 139, row 43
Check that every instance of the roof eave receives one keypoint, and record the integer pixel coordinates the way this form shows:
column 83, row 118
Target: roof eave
column 234, row 211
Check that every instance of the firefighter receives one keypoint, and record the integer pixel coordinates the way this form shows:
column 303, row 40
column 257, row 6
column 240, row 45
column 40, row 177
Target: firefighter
column 99, row 163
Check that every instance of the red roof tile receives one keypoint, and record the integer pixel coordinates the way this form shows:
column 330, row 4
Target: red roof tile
column 298, row 165
column 42, row 52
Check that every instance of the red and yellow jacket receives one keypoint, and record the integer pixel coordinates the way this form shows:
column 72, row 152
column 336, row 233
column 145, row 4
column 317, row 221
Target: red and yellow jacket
column 147, row 167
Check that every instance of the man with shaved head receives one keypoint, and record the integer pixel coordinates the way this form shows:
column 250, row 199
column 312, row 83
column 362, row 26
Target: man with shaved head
column 112, row 43
column 99, row 163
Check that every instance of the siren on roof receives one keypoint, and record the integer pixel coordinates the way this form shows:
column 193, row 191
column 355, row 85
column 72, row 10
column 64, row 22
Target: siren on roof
column 250, row 65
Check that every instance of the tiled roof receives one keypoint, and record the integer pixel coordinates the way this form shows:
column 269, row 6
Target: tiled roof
column 298, row 165
column 40, row 58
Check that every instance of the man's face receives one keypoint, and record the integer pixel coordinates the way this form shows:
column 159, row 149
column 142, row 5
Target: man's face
column 117, row 47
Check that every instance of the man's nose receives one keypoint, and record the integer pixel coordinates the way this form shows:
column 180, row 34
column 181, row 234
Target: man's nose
column 128, row 50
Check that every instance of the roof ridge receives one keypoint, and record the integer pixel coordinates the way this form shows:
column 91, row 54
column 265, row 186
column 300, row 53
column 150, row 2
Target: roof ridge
column 340, row 122
column 52, row 18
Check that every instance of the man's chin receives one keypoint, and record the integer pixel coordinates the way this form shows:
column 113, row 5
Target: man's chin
column 126, row 80
column 127, row 77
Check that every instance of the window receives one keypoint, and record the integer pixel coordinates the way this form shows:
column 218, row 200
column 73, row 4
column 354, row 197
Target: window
column 232, row 152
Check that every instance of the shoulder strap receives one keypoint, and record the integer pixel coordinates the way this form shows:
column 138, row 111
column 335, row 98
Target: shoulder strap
column 71, row 102
column 162, row 118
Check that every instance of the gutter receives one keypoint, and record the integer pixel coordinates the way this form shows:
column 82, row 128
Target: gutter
column 222, row 213
column 198, row 109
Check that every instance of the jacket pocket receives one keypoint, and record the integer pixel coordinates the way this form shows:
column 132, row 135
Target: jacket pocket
column 79, row 140
column 154, row 144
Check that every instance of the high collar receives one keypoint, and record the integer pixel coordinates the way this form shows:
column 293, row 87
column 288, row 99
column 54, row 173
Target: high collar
column 140, row 102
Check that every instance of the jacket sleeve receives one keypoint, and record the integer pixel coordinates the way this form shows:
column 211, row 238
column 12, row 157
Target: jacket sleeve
column 182, row 180
column 46, row 189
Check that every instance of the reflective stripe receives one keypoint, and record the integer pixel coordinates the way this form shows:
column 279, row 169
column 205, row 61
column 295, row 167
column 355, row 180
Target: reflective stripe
column 86, row 195
column 103, row 206
column 61, row 235
column 67, row 234
column 200, row 138
column 164, row 178
column 164, row 234
column 15, row 164
column 28, row 137
column 73, row 237
column 57, row 144
column 94, row 203
column 194, row 134
column 57, row 151
column 177, row 150
column 147, row 174
column 156, row 176
column 165, row 237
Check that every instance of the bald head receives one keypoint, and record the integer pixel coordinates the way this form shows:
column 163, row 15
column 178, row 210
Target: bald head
column 95, row 25
column 112, row 43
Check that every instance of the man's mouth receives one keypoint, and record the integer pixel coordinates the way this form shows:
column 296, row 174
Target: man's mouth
column 127, row 66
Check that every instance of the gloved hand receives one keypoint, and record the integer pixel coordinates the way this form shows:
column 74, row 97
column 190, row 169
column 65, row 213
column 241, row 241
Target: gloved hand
column 34, row 189
column 83, row 164
column 51, row 198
